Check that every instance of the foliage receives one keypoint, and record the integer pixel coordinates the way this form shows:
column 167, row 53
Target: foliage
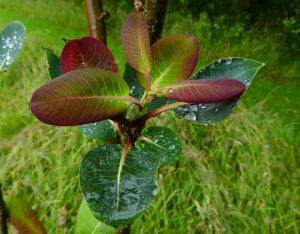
column 119, row 180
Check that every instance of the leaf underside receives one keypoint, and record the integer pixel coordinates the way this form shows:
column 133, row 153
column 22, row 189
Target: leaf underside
column 243, row 70
column 53, row 63
column 115, row 200
column 81, row 96
column 136, row 43
column 161, row 141
column 204, row 90
column 11, row 40
column 87, row 52
column 22, row 217
column 174, row 59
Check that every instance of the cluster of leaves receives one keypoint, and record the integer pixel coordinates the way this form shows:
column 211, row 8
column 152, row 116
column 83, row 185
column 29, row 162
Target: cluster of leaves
column 119, row 180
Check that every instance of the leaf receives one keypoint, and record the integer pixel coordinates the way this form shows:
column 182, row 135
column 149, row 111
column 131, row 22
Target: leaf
column 80, row 97
column 11, row 40
column 136, row 44
column 86, row 222
column 161, row 141
column 240, row 69
column 118, row 189
column 53, row 63
column 103, row 130
column 157, row 102
column 174, row 59
column 87, row 52
column 204, row 90
column 22, row 217
column 130, row 77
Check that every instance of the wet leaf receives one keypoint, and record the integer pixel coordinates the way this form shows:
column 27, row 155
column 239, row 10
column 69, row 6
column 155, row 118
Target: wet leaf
column 53, row 63
column 87, row 223
column 103, row 130
column 129, row 76
column 22, row 217
column 204, row 90
column 160, row 141
column 81, row 96
column 11, row 40
column 87, row 52
column 240, row 69
column 174, row 59
column 118, row 192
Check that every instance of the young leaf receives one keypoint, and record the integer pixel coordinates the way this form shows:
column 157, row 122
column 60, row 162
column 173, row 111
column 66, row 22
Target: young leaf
column 161, row 141
column 117, row 190
column 53, row 63
column 80, row 97
column 130, row 77
column 204, row 91
column 240, row 69
column 22, row 217
column 86, row 52
column 86, row 223
column 11, row 40
column 174, row 59
column 136, row 44
column 103, row 130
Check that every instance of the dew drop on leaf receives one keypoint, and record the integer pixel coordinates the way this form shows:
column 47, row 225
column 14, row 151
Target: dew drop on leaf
column 190, row 116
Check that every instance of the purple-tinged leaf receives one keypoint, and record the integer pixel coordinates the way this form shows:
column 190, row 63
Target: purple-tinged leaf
column 174, row 59
column 86, row 52
column 204, row 91
column 80, row 97
column 136, row 44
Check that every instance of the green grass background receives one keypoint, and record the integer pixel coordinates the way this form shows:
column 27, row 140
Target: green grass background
column 240, row 176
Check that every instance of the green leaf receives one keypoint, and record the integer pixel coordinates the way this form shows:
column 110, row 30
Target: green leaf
column 86, row 222
column 11, row 40
column 22, row 217
column 103, row 130
column 129, row 76
column 240, row 69
column 53, row 63
column 174, row 59
column 118, row 188
column 161, row 141
column 81, row 96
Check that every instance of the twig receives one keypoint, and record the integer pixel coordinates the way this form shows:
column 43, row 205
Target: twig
column 3, row 215
column 124, row 230
column 96, row 19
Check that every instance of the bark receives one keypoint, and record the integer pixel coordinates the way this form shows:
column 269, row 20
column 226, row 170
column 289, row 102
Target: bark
column 3, row 215
column 154, row 13
column 96, row 19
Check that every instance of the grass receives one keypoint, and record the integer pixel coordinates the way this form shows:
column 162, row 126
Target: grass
column 240, row 176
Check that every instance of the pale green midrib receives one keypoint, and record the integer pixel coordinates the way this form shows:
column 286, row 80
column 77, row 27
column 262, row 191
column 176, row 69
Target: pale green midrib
column 151, row 142
column 253, row 68
column 95, row 228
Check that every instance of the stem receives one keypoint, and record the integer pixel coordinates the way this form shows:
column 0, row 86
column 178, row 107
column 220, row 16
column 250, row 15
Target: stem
column 154, row 13
column 96, row 19
column 124, row 230
column 157, row 111
column 3, row 215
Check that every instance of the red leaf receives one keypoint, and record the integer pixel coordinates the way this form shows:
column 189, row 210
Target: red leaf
column 81, row 96
column 136, row 44
column 86, row 52
column 204, row 91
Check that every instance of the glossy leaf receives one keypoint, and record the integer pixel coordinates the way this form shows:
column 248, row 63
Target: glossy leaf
column 53, row 63
column 174, row 59
column 204, row 91
column 80, row 97
column 161, row 141
column 87, row 52
column 22, row 217
column 118, row 192
column 86, row 222
column 130, row 77
column 136, row 43
column 240, row 69
column 103, row 130
column 11, row 40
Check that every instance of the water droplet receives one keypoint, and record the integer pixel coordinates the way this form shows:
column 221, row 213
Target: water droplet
column 170, row 90
column 228, row 61
column 190, row 116
column 193, row 108
column 172, row 147
column 216, row 110
column 154, row 192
